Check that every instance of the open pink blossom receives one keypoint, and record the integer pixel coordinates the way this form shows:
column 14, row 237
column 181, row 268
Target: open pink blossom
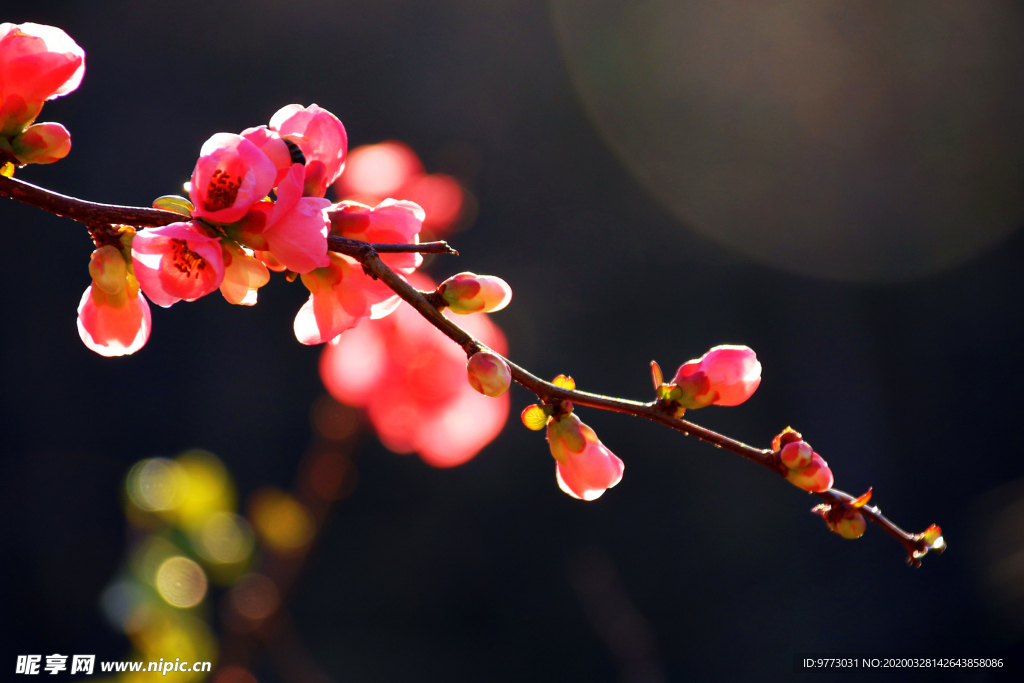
column 341, row 295
column 273, row 145
column 584, row 467
column 411, row 379
column 724, row 376
column 292, row 230
column 322, row 139
column 231, row 176
column 175, row 262
column 37, row 63
column 113, row 316
column 391, row 222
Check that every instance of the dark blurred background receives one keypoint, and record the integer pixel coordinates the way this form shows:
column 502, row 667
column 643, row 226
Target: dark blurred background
column 837, row 186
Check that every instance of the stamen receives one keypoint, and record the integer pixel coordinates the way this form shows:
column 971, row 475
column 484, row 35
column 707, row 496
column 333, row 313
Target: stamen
column 187, row 261
column 221, row 191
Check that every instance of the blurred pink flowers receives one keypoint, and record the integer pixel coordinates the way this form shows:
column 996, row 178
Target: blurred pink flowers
column 392, row 169
column 411, row 380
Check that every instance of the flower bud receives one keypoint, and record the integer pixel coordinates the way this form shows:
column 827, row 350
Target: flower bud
column 489, row 374
column 786, row 436
column 851, row 525
column 42, row 143
column 724, row 376
column 585, row 468
column 815, row 478
column 471, row 293
column 108, row 269
column 797, row 455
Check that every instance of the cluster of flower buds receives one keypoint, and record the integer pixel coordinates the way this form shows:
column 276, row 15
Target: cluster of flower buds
column 234, row 233
column 724, row 376
column 37, row 63
column 845, row 519
column 805, row 469
column 584, row 467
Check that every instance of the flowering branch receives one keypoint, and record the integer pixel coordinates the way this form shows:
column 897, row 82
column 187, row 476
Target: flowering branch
column 96, row 214
column 430, row 304
column 257, row 203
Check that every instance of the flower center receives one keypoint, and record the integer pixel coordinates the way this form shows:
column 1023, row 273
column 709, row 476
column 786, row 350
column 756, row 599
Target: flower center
column 221, row 191
column 187, row 261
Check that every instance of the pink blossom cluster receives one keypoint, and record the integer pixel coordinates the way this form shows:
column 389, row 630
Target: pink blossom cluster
column 804, row 468
column 37, row 63
column 256, row 203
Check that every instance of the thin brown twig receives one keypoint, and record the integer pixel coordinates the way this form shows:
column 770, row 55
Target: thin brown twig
column 368, row 254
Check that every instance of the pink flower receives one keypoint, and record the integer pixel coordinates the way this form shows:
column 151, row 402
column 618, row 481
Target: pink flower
column 390, row 222
column 322, row 139
column 411, row 379
column 231, row 176
column 489, row 374
column 274, row 146
column 341, row 294
column 42, row 143
column 244, row 274
column 584, row 468
column 37, row 63
column 113, row 316
column 296, row 226
column 471, row 293
column 175, row 262
column 724, row 376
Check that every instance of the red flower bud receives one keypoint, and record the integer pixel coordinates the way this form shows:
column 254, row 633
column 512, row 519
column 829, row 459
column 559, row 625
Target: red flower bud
column 724, row 376
column 489, row 374
column 471, row 293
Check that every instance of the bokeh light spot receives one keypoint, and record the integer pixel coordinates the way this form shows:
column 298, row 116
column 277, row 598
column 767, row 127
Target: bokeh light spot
column 255, row 597
column 283, row 523
column 156, row 484
column 181, row 582
column 226, row 538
